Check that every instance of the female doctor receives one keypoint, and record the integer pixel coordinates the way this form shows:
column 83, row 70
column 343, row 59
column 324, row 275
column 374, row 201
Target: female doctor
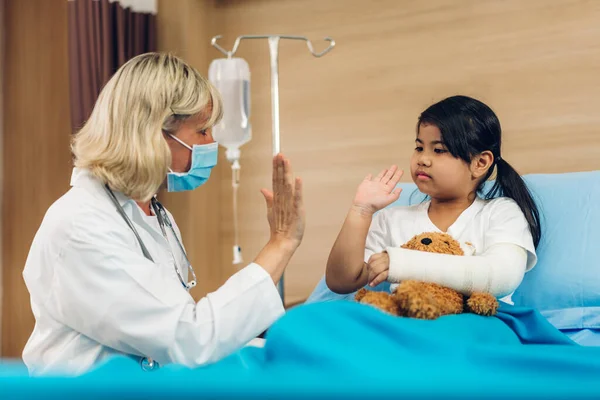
column 107, row 272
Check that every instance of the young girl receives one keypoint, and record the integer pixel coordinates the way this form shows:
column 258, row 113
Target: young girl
column 457, row 150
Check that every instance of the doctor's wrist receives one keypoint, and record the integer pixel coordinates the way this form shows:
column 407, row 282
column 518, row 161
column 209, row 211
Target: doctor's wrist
column 275, row 256
column 283, row 244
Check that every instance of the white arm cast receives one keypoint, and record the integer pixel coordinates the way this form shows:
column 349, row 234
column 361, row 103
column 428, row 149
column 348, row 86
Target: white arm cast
column 498, row 271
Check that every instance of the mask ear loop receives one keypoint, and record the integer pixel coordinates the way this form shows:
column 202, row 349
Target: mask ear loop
column 181, row 142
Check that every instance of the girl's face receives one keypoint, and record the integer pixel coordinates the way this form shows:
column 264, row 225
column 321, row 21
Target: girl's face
column 438, row 173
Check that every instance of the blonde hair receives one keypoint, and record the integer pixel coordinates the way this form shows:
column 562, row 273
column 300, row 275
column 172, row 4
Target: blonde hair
column 122, row 143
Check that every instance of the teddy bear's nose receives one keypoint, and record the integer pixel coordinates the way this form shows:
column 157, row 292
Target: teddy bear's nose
column 426, row 241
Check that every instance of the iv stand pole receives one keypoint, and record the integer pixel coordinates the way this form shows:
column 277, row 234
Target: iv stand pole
column 274, row 53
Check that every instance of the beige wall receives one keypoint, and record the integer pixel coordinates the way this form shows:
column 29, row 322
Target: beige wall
column 35, row 159
column 353, row 111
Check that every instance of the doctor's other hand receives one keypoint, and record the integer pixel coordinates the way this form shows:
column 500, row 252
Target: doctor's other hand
column 373, row 194
column 285, row 213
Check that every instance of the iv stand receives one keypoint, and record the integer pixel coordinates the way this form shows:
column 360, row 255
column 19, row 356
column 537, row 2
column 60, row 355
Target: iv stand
column 274, row 53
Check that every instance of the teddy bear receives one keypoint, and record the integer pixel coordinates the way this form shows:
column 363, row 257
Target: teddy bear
column 425, row 300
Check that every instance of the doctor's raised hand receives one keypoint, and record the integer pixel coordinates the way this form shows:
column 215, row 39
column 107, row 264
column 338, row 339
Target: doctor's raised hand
column 107, row 271
column 285, row 213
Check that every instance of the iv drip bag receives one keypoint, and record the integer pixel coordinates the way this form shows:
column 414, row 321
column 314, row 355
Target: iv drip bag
column 231, row 77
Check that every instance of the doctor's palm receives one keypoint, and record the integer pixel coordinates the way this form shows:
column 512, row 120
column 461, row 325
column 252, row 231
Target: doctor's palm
column 285, row 207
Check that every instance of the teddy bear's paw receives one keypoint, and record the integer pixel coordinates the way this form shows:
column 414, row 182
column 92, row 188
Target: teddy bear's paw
column 482, row 304
column 360, row 294
column 427, row 311
column 417, row 305
column 380, row 300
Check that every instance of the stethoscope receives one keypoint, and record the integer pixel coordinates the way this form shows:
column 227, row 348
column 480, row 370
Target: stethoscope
column 148, row 364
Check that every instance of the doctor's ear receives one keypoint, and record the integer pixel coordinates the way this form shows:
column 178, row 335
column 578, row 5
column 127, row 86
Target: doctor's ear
column 481, row 163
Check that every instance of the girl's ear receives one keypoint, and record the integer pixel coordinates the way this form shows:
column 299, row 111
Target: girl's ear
column 481, row 163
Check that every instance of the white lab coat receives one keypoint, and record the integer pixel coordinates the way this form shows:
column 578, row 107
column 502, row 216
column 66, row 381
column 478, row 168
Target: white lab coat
column 94, row 294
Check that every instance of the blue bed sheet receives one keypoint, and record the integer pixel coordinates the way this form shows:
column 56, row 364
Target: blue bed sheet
column 348, row 350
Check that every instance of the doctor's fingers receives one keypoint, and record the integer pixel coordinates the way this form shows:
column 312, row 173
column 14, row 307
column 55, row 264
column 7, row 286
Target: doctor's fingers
column 268, row 197
column 283, row 184
column 288, row 204
column 269, row 200
column 298, row 197
column 282, row 174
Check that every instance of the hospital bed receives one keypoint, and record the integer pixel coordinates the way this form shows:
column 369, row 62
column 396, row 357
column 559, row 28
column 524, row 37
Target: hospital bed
column 543, row 346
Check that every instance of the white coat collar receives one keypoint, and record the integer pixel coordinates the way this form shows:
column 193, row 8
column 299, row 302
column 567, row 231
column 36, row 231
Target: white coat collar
column 83, row 178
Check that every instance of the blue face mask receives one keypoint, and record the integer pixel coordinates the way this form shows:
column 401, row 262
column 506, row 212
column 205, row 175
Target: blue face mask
column 204, row 158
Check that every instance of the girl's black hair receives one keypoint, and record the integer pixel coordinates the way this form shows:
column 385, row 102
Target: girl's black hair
column 468, row 128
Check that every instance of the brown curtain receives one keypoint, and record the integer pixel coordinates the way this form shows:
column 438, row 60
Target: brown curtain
column 102, row 36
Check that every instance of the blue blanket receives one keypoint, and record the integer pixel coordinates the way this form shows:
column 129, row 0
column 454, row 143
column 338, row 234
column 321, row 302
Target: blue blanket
column 347, row 350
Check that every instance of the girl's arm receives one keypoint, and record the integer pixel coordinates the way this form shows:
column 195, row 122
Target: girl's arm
column 346, row 270
column 498, row 271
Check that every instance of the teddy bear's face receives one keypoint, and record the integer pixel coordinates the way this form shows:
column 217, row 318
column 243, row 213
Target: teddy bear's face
column 435, row 242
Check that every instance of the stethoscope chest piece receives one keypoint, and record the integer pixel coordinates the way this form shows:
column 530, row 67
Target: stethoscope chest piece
column 148, row 364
